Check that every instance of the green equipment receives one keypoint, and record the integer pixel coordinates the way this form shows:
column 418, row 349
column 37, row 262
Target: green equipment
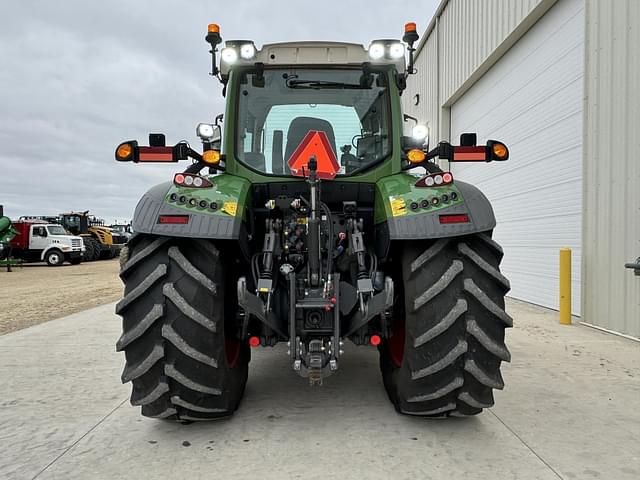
column 319, row 222
column 7, row 232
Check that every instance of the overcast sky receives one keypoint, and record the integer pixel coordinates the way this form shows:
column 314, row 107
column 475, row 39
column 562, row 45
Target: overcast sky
column 78, row 77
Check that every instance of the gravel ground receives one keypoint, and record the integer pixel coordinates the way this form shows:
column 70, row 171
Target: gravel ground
column 36, row 293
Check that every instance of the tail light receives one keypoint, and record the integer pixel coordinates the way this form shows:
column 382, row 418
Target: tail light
column 191, row 181
column 435, row 180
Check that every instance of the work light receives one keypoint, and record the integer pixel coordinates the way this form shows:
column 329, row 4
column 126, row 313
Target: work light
column 396, row 50
column 376, row 51
column 420, row 132
column 229, row 55
column 205, row 131
column 247, row 51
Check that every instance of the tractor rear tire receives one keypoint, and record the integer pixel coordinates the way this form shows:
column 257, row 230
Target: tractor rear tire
column 103, row 253
column 179, row 337
column 92, row 249
column 443, row 357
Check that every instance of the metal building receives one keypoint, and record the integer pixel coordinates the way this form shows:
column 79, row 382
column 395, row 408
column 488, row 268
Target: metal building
column 557, row 80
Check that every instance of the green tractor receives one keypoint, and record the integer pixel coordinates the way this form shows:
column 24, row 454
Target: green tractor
column 303, row 224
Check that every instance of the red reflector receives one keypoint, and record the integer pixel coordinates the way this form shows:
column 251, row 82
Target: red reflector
column 155, row 154
column 254, row 341
column 462, row 218
column 179, row 219
column 469, row 154
column 375, row 340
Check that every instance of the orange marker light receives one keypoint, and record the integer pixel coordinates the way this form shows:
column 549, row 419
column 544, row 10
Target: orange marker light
column 254, row 341
column 415, row 156
column 211, row 157
column 500, row 150
column 213, row 28
column 410, row 27
column 124, row 151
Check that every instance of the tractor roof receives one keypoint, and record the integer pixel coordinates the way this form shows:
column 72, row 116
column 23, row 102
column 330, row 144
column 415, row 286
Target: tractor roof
column 312, row 53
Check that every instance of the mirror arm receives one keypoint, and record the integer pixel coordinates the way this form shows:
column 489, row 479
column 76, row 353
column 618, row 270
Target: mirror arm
column 444, row 150
column 184, row 152
column 409, row 117
column 194, row 168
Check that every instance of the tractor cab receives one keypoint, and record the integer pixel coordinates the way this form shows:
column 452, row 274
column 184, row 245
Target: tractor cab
column 75, row 222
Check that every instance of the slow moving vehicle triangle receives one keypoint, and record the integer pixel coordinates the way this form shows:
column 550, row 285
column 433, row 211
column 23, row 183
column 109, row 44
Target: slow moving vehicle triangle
column 315, row 143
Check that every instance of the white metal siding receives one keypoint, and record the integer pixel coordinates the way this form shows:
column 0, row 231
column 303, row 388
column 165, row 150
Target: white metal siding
column 532, row 99
column 465, row 38
column 612, row 166
column 472, row 30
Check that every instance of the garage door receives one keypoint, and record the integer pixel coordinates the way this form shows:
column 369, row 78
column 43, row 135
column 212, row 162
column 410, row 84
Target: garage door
column 532, row 100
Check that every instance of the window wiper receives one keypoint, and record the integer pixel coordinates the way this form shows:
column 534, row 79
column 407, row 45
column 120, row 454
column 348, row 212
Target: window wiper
column 320, row 84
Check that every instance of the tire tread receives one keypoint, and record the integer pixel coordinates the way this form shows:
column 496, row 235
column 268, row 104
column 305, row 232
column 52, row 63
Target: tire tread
column 173, row 330
column 455, row 321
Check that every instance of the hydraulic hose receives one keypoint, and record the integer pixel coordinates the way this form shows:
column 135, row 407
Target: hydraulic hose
column 331, row 239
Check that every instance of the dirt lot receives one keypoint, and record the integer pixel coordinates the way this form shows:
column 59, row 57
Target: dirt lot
column 36, row 293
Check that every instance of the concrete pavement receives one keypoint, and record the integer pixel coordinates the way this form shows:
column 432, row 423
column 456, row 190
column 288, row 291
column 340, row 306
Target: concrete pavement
column 570, row 409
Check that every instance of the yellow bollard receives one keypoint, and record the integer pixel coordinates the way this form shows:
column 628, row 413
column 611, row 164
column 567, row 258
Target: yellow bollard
column 565, row 286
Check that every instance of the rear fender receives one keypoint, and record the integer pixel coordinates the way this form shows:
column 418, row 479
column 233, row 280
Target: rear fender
column 224, row 222
column 396, row 219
